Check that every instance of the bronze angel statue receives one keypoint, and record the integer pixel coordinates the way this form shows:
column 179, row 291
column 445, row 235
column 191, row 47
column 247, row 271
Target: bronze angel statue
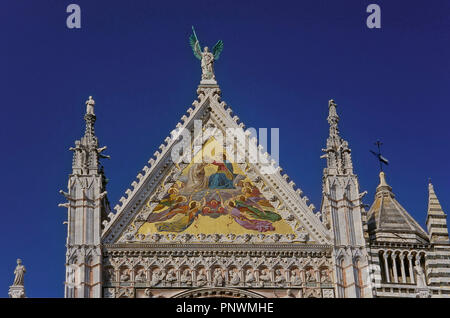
column 206, row 57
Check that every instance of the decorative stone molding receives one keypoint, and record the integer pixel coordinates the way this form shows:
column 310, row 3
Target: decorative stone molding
column 16, row 292
column 217, row 292
column 275, row 270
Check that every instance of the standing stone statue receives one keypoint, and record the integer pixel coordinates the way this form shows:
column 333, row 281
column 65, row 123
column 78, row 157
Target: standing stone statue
column 420, row 275
column 20, row 273
column 90, row 103
column 17, row 290
column 206, row 57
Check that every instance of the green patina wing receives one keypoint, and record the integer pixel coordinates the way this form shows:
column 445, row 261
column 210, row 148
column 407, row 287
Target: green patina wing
column 195, row 45
column 217, row 49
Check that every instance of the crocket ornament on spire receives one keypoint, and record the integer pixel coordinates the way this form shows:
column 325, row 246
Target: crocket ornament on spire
column 206, row 57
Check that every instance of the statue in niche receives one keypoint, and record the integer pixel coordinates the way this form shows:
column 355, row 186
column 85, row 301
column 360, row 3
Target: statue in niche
column 249, row 277
column 234, row 277
column 295, row 278
column 279, row 277
column 201, row 278
column 420, row 275
column 125, row 276
column 157, row 276
column 171, row 276
column 218, row 278
column 186, row 277
column 141, row 277
column 19, row 273
column 264, row 278
column 325, row 276
column 310, row 276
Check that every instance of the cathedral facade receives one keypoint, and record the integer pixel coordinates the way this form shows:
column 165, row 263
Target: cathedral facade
column 227, row 222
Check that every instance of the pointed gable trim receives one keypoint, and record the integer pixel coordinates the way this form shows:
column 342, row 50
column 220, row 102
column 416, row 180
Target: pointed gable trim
column 209, row 104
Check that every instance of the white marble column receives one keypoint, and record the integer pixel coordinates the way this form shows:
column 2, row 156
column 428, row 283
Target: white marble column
column 402, row 257
column 411, row 269
column 386, row 267
column 394, row 267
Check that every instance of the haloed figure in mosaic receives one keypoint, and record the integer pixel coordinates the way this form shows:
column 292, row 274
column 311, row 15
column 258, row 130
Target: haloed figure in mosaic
column 213, row 188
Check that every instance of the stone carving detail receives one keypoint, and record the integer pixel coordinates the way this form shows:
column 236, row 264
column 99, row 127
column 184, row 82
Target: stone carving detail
column 157, row 276
column 19, row 273
column 17, row 290
column 327, row 293
column 234, row 277
column 125, row 275
column 325, row 276
column 310, row 275
column 219, row 271
column 186, row 278
column 264, row 277
column 421, row 281
column 109, row 293
column 280, row 278
column 312, row 293
column 295, row 278
column 140, row 276
column 171, row 277
column 250, row 277
column 201, row 278
column 218, row 277
column 125, row 293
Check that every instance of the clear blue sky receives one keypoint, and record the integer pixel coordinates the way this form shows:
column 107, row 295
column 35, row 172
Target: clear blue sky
column 282, row 62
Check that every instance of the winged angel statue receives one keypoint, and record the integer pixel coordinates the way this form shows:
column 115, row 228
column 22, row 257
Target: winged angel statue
column 206, row 57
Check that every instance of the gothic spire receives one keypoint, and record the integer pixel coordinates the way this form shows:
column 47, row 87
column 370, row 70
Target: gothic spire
column 436, row 218
column 333, row 118
column 86, row 152
column 338, row 155
column 90, row 118
column 87, row 208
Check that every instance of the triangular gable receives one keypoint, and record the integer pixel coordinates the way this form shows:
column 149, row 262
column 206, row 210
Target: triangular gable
column 290, row 218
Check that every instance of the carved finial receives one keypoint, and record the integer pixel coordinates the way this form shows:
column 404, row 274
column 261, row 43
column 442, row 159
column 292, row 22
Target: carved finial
column 383, row 184
column 333, row 118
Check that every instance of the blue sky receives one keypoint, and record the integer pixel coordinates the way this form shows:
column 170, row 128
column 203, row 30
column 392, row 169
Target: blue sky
column 282, row 62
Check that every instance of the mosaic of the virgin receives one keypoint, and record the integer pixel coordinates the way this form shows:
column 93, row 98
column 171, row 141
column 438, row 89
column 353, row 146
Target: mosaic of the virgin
column 213, row 197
